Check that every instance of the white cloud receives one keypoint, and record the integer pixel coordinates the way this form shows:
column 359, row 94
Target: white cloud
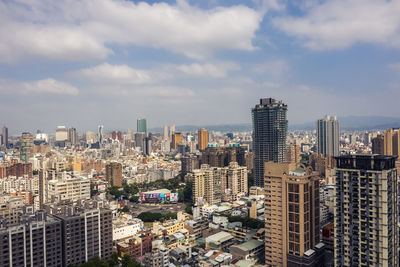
column 84, row 30
column 219, row 70
column 46, row 86
column 274, row 68
column 338, row 24
column 118, row 74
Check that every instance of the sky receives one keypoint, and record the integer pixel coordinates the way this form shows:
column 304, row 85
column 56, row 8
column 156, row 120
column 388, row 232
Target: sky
column 82, row 63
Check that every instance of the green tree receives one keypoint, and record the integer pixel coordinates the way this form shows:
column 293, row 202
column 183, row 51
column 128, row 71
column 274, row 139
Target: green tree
column 189, row 209
column 188, row 192
column 115, row 191
column 124, row 209
column 127, row 262
column 250, row 179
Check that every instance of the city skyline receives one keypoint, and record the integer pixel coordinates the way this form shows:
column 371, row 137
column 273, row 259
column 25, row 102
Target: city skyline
column 268, row 49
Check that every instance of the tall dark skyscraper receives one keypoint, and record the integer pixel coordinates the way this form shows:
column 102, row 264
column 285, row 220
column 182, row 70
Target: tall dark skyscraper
column 4, row 136
column 270, row 128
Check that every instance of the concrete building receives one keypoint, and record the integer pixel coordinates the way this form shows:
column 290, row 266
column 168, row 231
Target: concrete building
column 34, row 241
column 291, row 215
column 126, row 227
column 141, row 125
column 26, row 147
column 293, row 154
column 114, row 173
column 165, row 132
column 252, row 249
column 392, row 142
column 68, row 189
column 10, row 209
column 176, row 140
column 328, row 136
column 366, row 211
column 4, row 137
column 221, row 156
column 207, row 185
column 202, row 136
column 269, row 135
column 378, row 145
column 234, row 182
column 86, row 230
column 221, row 241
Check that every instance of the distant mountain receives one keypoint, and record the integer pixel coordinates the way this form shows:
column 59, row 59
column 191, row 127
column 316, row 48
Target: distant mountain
column 356, row 123
column 349, row 123
column 240, row 127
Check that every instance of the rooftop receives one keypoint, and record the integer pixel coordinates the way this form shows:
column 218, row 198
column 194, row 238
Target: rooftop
column 251, row 244
column 219, row 237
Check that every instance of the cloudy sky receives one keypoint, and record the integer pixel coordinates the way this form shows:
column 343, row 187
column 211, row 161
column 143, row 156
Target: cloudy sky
column 83, row 63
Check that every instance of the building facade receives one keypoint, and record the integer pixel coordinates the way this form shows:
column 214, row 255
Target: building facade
column 328, row 136
column 291, row 215
column 202, row 136
column 141, row 125
column 34, row 241
column 270, row 128
column 114, row 173
column 366, row 211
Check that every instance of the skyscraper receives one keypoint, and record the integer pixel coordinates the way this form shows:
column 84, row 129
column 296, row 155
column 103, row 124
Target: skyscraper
column 207, row 185
column 26, row 147
column 101, row 134
column 291, row 216
column 366, row 211
column 171, row 130
column 72, row 136
column 4, row 136
column 392, row 142
column 114, row 173
column 141, row 125
column 328, row 136
column 202, row 137
column 378, row 145
column 176, row 139
column 269, row 135
column 165, row 132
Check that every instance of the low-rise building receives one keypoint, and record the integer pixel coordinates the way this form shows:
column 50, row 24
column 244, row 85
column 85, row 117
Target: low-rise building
column 221, row 241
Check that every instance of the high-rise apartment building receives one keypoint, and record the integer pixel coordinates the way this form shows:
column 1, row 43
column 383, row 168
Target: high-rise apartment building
column 176, row 140
column 165, row 132
column 392, row 142
column 293, row 154
column 61, row 133
column 114, row 173
column 328, row 136
column 86, row 230
column 68, row 189
column 171, row 130
column 207, row 185
column 378, row 145
column 72, row 136
column 202, row 136
column 234, row 181
column 26, row 146
column 141, row 125
column 34, row 241
column 366, row 211
column 140, row 140
column 101, row 134
column 269, row 135
column 221, row 156
column 4, row 137
column 292, row 216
